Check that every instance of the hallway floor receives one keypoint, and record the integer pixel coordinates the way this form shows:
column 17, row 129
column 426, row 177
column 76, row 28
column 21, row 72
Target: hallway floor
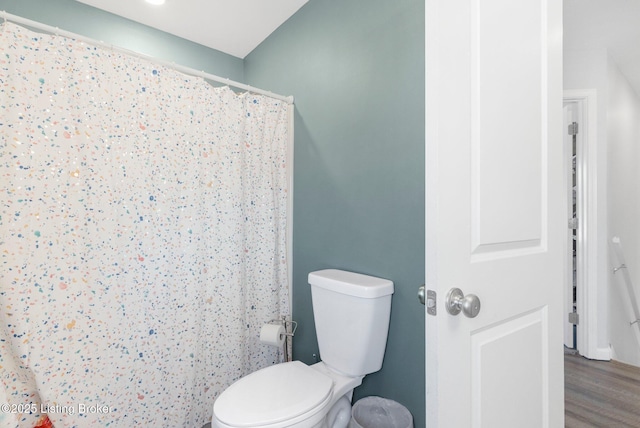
column 603, row 394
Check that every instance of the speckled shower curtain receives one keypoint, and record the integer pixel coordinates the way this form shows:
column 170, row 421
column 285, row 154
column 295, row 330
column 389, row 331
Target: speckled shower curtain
column 142, row 236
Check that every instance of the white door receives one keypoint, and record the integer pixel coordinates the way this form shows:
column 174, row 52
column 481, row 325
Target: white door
column 496, row 212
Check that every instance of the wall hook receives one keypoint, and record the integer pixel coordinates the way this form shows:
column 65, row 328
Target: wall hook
column 622, row 266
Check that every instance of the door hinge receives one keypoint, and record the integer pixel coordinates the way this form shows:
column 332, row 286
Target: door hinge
column 573, row 223
column 574, row 318
column 431, row 302
column 573, row 128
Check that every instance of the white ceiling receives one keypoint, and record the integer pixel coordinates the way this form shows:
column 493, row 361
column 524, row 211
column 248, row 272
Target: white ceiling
column 609, row 24
column 234, row 27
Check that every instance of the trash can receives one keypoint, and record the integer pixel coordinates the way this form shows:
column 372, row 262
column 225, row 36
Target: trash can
column 378, row 412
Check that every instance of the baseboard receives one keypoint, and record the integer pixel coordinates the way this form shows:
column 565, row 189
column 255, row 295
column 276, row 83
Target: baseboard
column 635, row 362
column 602, row 354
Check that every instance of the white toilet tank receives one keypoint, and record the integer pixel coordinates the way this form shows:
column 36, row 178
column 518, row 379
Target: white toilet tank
column 351, row 313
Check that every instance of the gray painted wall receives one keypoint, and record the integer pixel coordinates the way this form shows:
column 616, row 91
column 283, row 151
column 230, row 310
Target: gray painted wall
column 356, row 69
column 88, row 21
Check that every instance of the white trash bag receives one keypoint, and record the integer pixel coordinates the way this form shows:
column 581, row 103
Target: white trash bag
column 378, row 412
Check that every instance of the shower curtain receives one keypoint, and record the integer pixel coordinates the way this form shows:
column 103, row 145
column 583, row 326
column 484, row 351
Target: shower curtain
column 142, row 236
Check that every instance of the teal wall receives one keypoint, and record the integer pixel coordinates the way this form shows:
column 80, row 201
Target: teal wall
column 356, row 70
column 88, row 21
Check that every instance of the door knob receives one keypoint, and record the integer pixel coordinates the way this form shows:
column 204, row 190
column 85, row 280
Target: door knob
column 421, row 294
column 456, row 301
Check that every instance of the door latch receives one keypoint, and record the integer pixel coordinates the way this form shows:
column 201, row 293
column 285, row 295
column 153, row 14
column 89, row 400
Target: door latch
column 430, row 300
column 431, row 303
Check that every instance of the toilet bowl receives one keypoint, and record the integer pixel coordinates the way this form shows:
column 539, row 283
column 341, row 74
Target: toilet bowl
column 287, row 395
column 351, row 313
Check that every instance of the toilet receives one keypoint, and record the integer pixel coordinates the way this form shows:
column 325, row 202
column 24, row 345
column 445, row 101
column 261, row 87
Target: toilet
column 351, row 313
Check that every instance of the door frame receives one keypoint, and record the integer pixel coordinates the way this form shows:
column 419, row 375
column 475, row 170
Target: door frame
column 590, row 245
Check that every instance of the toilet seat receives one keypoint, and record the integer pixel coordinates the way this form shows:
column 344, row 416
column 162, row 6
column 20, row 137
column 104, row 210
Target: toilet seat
column 275, row 394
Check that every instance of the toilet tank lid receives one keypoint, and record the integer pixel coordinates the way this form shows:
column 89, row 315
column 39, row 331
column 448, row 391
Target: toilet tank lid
column 351, row 283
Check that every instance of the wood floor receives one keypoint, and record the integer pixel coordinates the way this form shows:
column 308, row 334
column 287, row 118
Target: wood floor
column 601, row 394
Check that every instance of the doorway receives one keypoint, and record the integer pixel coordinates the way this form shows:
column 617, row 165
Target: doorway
column 574, row 239
column 582, row 266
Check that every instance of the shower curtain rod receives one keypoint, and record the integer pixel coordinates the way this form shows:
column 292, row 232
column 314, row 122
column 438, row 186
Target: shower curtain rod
column 183, row 69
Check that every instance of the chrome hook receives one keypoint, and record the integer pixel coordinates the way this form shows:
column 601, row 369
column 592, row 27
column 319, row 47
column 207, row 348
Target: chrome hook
column 622, row 266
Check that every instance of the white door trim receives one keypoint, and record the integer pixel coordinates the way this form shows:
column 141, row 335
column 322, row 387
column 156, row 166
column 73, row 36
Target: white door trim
column 588, row 246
